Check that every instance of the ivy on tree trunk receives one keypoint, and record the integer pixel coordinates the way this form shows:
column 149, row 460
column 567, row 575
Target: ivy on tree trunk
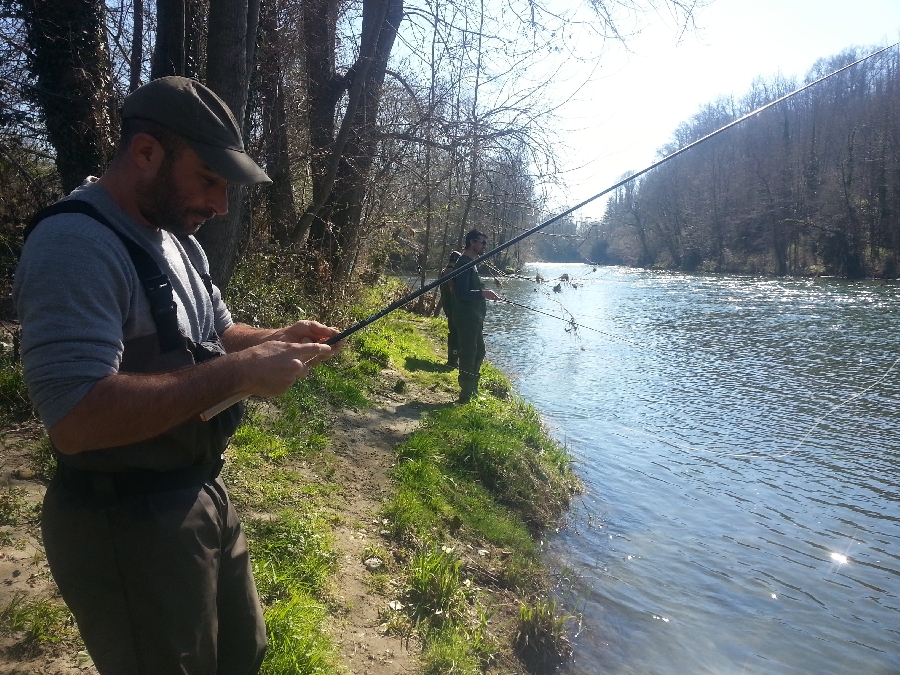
column 69, row 61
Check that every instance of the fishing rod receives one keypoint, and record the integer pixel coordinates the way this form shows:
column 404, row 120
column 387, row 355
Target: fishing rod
column 215, row 410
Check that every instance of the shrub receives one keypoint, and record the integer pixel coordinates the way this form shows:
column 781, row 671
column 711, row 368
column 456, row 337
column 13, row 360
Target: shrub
column 542, row 642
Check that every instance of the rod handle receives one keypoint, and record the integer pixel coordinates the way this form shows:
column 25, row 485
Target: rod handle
column 212, row 411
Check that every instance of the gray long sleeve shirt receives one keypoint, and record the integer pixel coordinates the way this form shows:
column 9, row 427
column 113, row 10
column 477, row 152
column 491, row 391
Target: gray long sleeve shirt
column 78, row 299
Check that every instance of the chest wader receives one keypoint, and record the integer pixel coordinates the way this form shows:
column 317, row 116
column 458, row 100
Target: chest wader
column 468, row 316
column 189, row 454
column 142, row 539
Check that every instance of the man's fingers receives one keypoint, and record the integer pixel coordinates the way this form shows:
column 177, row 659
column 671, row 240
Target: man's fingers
column 312, row 353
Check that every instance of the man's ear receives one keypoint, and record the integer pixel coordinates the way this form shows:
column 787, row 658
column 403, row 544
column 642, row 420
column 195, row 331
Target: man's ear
column 145, row 153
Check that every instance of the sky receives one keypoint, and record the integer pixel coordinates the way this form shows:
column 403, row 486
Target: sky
column 637, row 97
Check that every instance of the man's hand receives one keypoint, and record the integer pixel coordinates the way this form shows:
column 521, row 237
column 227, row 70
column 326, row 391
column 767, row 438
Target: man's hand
column 488, row 294
column 306, row 332
column 241, row 336
column 269, row 369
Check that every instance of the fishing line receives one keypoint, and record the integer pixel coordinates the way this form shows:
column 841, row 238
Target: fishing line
column 214, row 410
column 540, row 279
column 572, row 322
column 689, row 448
column 537, row 228
column 563, row 279
column 572, row 325
column 496, row 270
column 839, row 405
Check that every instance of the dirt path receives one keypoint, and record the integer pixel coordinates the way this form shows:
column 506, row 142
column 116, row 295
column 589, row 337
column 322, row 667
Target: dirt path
column 364, row 442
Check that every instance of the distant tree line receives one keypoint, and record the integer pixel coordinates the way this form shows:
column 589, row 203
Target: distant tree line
column 389, row 128
column 809, row 187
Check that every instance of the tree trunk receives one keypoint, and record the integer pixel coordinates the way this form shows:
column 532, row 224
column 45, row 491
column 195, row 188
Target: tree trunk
column 323, row 90
column 69, row 59
column 137, row 46
column 279, row 195
column 230, row 52
column 334, row 235
column 178, row 31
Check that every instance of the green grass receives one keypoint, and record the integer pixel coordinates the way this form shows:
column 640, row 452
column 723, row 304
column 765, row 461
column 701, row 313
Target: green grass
column 448, row 651
column 448, row 614
column 298, row 644
column 434, row 587
column 542, row 636
column 42, row 620
column 13, row 507
column 488, row 463
column 43, row 459
column 483, row 472
column 292, row 552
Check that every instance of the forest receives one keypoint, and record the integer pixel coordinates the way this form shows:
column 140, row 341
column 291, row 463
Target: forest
column 810, row 186
column 389, row 128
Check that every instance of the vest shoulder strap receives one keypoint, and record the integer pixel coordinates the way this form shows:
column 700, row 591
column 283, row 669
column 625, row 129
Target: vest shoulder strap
column 156, row 283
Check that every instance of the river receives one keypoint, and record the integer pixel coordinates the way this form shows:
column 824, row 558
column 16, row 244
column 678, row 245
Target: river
column 739, row 441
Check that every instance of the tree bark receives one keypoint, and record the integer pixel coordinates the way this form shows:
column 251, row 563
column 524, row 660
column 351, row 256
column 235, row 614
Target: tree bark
column 334, row 236
column 69, row 59
column 231, row 50
column 137, row 46
column 178, row 32
column 279, row 195
column 323, row 91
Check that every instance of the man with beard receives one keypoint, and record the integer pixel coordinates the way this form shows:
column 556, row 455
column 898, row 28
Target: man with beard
column 125, row 341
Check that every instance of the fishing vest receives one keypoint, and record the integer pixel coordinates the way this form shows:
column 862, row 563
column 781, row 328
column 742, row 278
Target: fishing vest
column 195, row 443
column 475, row 308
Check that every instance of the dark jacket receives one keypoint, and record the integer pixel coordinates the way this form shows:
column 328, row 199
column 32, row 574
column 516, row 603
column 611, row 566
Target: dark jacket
column 467, row 298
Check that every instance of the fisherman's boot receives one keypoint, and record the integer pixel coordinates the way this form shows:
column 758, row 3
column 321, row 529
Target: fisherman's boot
column 468, row 388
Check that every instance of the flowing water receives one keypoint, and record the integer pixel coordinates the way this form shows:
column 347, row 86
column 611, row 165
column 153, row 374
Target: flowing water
column 741, row 513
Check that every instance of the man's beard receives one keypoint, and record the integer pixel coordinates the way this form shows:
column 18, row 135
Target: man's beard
column 163, row 204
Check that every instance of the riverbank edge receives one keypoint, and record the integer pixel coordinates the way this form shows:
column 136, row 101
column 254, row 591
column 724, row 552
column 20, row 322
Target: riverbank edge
column 344, row 473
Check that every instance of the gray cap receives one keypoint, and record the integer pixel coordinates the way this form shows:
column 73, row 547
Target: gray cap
column 187, row 108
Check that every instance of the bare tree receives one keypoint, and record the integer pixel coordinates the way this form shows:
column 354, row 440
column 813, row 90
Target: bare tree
column 230, row 54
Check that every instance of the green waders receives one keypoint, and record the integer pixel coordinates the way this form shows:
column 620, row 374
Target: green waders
column 471, row 355
column 468, row 316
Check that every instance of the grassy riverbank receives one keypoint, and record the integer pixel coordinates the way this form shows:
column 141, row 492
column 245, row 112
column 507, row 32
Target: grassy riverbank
column 378, row 513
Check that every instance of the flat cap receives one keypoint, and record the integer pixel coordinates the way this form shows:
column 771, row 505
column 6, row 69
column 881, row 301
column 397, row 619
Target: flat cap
column 193, row 111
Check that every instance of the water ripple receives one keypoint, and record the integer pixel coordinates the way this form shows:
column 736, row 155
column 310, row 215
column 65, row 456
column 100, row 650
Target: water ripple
column 728, row 489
